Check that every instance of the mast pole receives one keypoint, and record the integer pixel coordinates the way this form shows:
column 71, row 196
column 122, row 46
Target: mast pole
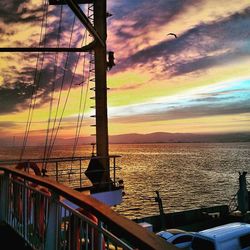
column 102, row 146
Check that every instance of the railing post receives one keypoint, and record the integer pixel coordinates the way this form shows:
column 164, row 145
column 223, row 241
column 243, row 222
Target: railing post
column 51, row 238
column 4, row 196
column 114, row 170
column 80, row 174
column 56, row 171
column 100, row 236
column 24, row 190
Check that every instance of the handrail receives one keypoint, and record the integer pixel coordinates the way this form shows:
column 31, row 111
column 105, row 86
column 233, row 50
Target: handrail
column 56, row 159
column 124, row 228
column 56, row 168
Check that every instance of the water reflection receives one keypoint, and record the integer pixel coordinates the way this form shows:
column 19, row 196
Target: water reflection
column 188, row 175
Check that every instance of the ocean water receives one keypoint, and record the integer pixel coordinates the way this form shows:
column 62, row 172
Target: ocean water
column 187, row 175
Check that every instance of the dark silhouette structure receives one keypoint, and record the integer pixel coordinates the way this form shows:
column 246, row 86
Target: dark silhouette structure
column 111, row 60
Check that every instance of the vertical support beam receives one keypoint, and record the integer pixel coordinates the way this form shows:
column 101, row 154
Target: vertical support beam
column 57, row 171
column 100, row 25
column 4, row 196
column 52, row 233
column 100, row 236
column 114, row 164
column 80, row 174
column 24, row 191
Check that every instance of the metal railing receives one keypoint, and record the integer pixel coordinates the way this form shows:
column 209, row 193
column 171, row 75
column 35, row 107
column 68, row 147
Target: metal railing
column 49, row 215
column 69, row 170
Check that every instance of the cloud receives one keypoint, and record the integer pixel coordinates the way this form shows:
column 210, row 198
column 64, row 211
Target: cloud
column 226, row 98
column 11, row 97
column 186, row 113
column 132, row 23
column 18, row 83
column 204, row 46
column 19, row 12
column 144, row 13
column 7, row 124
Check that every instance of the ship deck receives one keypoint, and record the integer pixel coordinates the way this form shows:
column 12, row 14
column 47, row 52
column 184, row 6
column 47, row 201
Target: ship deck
column 9, row 239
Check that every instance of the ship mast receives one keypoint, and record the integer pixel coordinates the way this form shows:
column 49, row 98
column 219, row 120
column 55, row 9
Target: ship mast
column 100, row 25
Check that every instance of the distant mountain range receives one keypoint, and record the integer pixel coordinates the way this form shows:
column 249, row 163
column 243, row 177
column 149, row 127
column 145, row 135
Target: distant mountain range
column 159, row 137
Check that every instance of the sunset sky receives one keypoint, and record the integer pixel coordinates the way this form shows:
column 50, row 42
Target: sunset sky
column 198, row 82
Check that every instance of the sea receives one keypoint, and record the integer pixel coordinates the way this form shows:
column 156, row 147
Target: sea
column 187, row 175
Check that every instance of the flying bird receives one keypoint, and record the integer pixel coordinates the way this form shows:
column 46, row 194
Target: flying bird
column 172, row 34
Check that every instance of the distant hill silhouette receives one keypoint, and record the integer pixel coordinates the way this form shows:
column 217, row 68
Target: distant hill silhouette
column 161, row 137
column 158, row 137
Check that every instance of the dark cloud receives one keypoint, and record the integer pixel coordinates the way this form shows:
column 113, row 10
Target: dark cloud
column 144, row 13
column 18, row 82
column 215, row 99
column 225, row 40
column 11, row 11
column 10, row 98
column 187, row 112
column 14, row 13
column 204, row 63
column 19, row 85
column 7, row 124
column 222, row 96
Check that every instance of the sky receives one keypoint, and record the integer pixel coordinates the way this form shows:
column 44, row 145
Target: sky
column 198, row 82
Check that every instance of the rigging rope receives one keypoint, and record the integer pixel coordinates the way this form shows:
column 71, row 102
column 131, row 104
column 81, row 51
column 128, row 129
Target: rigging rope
column 52, row 88
column 53, row 139
column 81, row 113
column 37, row 77
column 54, row 129
column 81, row 110
column 50, row 140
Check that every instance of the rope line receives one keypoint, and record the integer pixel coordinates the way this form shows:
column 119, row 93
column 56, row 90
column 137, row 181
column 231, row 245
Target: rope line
column 81, row 111
column 35, row 85
column 54, row 122
column 46, row 146
column 66, row 101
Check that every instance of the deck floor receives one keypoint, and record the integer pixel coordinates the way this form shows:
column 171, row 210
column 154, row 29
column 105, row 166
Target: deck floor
column 9, row 239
